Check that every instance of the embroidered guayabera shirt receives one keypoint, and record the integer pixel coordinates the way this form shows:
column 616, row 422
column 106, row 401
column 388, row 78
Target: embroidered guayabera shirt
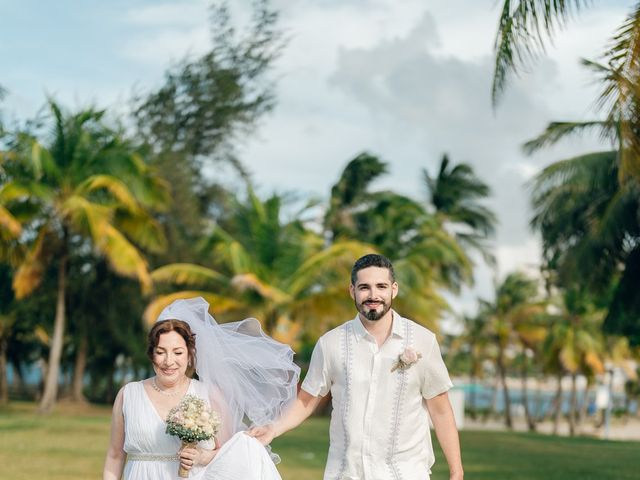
column 379, row 424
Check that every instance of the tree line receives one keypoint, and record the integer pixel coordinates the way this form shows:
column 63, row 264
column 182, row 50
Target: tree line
column 101, row 226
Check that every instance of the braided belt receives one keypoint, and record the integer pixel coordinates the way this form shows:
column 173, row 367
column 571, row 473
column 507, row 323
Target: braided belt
column 149, row 457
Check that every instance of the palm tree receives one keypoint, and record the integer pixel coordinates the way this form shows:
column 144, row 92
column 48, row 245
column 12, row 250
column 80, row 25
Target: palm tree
column 83, row 188
column 426, row 257
column 261, row 265
column 591, row 231
column 574, row 345
column 475, row 342
column 523, row 30
column 513, row 309
column 350, row 193
column 454, row 193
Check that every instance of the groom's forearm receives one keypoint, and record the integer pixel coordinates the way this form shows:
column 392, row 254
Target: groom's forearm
column 445, row 426
column 302, row 408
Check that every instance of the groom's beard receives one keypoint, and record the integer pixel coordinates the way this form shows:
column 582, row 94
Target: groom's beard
column 375, row 311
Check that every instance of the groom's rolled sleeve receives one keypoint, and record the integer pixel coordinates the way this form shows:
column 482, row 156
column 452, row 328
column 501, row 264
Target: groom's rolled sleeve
column 435, row 377
column 317, row 381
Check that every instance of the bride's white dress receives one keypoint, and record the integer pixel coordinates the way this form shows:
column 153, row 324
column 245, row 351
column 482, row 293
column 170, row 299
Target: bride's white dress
column 151, row 453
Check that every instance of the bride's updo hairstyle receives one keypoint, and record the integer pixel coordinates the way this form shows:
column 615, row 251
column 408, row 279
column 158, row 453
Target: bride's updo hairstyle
column 182, row 329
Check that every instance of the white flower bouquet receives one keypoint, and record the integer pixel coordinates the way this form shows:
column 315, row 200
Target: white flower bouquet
column 192, row 421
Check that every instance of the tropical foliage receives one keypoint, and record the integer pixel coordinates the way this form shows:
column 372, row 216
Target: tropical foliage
column 81, row 187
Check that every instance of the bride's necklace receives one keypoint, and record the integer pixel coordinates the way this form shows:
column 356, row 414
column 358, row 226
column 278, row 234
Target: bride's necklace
column 164, row 392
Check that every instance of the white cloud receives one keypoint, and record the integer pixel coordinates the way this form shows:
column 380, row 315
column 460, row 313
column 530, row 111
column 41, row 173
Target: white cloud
column 170, row 14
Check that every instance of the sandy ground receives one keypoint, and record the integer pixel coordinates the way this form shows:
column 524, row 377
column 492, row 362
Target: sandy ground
column 620, row 429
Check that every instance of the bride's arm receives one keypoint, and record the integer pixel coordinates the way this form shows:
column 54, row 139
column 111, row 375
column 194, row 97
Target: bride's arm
column 116, row 456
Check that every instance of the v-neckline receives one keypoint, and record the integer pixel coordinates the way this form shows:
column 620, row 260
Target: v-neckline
column 153, row 407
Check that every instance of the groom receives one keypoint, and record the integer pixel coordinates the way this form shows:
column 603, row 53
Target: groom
column 384, row 373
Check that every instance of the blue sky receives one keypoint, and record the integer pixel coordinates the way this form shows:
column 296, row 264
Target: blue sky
column 406, row 80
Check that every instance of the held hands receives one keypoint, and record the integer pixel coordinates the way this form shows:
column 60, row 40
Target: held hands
column 264, row 434
column 196, row 456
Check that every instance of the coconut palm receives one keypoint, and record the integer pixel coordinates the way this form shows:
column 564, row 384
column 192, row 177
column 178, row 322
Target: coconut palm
column 511, row 315
column 455, row 194
column 350, row 193
column 474, row 343
column 83, row 187
column 523, row 31
column 590, row 226
column 574, row 344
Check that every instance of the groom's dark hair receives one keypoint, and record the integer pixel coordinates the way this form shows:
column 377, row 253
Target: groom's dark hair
column 372, row 260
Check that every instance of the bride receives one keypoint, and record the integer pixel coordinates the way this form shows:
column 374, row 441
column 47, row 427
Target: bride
column 244, row 375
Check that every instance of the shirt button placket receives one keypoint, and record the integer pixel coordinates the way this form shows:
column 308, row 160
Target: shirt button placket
column 367, row 455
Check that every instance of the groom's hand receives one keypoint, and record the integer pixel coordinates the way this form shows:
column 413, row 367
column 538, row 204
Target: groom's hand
column 264, row 434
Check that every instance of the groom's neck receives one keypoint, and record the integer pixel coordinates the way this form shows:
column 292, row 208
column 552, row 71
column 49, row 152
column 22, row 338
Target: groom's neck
column 379, row 329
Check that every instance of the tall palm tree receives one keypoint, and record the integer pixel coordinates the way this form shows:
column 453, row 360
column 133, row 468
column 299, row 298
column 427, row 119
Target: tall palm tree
column 455, row 194
column 523, row 31
column 474, row 343
column 574, row 345
column 83, row 187
column 513, row 310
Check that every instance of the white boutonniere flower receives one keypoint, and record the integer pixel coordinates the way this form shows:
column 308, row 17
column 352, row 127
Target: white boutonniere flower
column 406, row 359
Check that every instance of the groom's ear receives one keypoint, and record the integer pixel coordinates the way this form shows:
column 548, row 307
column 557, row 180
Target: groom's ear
column 352, row 291
column 394, row 289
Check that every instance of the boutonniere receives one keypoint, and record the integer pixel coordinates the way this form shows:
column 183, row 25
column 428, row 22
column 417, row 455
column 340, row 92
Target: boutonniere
column 406, row 359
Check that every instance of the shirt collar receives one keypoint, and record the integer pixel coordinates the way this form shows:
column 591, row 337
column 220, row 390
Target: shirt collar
column 361, row 332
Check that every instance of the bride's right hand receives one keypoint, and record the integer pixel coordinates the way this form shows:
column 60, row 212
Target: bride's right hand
column 264, row 434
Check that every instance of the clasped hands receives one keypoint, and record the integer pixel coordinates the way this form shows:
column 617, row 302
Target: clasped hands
column 264, row 434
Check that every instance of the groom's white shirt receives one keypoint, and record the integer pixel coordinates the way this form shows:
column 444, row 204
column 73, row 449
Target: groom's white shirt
column 379, row 424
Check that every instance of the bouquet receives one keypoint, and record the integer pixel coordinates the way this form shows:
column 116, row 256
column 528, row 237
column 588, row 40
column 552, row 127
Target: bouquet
column 192, row 421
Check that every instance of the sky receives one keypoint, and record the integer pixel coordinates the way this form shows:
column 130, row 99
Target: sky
column 406, row 80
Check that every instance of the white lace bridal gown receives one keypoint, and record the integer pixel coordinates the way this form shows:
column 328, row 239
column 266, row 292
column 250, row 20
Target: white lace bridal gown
column 151, row 453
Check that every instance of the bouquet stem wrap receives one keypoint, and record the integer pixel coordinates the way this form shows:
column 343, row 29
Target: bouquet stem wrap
column 183, row 472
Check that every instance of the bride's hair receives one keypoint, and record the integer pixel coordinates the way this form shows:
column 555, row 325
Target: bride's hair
column 181, row 328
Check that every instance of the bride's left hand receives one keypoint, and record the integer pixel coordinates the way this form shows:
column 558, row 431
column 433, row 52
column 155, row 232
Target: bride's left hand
column 196, row 456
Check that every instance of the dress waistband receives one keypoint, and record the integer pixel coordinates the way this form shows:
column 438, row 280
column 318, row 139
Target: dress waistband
column 150, row 457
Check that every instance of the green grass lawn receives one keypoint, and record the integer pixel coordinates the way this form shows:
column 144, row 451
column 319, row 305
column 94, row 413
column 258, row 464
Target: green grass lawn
column 71, row 445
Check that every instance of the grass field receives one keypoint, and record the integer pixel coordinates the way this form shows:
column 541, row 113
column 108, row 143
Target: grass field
column 71, row 445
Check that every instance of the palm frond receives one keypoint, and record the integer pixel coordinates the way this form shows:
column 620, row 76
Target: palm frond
column 9, row 223
column 524, row 29
column 218, row 303
column 142, row 229
column 249, row 281
column 330, row 264
column 557, row 131
column 123, row 256
column 85, row 216
column 32, row 268
column 114, row 186
column 188, row 274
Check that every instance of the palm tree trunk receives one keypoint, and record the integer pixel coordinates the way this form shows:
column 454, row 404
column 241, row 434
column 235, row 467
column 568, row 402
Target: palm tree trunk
column 4, row 383
column 78, row 371
column 531, row 424
column 472, row 395
column 505, row 390
column 51, row 383
column 558, row 403
column 573, row 406
column 584, row 405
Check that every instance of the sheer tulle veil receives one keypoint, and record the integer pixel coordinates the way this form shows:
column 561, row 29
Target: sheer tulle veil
column 245, row 369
